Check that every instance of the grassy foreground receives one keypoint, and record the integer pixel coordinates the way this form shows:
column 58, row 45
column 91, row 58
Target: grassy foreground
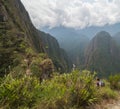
column 76, row 90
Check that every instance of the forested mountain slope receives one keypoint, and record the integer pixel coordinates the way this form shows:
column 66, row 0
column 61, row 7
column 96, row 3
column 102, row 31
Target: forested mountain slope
column 17, row 35
column 103, row 55
column 117, row 38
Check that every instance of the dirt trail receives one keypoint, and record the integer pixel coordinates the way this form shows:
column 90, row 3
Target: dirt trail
column 115, row 105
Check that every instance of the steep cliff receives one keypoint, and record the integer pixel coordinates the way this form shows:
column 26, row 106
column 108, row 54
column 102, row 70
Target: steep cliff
column 117, row 38
column 17, row 30
column 58, row 55
column 73, row 42
column 103, row 55
column 19, row 21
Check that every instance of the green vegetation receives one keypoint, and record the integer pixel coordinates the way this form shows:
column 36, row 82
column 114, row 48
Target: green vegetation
column 66, row 91
column 15, row 93
column 19, row 22
column 107, row 93
column 115, row 81
column 12, row 47
column 58, row 55
column 27, row 80
column 102, row 55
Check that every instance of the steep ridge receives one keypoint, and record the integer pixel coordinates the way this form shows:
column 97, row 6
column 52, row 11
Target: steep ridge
column 117, row 38
column 76, row 50
column 103, row 55
column 16, row 19
column 58, row 55
column 73, row 43
column 19, row 20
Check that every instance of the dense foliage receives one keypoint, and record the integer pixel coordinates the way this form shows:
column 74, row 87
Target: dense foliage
column 12, row 45
column 66, row 91
column 27, row 79
column 115, row 81
column 15, row 93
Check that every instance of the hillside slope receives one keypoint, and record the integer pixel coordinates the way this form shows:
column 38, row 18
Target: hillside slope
column 16, row 24
column 58, row 55
column 73, row 43
column 103, row 55
column 117, row 38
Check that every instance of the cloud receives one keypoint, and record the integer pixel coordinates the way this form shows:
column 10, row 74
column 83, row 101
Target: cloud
column 73, row 13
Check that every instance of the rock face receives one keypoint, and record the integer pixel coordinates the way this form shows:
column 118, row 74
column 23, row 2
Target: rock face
column 18, row 23
column 103, row 55
column 117, row 38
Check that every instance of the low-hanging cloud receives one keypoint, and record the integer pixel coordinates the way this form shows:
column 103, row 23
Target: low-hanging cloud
column 73, row 13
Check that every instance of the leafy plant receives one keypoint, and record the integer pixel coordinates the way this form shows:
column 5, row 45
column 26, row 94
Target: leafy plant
column 115, row 81
column 84, row 91
column 76, row 89
column 15, row 93
column 107, row 93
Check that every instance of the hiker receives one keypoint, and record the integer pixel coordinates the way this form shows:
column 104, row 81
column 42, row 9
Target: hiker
column 98, row 82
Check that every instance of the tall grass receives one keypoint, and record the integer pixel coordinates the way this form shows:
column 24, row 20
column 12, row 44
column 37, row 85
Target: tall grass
column 15, row 93
column 115, row 81
column 67, row 91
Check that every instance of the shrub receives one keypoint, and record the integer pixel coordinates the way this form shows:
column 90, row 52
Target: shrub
column 16, row 93
column 107, row 93
column 115, row 81
column 68, row 90
column 84, row 91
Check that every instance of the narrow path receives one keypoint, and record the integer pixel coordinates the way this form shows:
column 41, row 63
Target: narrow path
column 115, row 105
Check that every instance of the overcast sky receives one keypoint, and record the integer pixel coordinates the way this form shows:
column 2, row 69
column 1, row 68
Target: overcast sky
column 73, row 13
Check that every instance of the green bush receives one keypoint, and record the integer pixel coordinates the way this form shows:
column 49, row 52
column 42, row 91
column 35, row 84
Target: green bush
column 16, row 93
column 65, row 91
column 115, row 81
column 83, row 90
column 107, row 93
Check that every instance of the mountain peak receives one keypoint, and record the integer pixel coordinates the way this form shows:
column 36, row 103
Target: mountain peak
column 103, row 34
column 102, row 54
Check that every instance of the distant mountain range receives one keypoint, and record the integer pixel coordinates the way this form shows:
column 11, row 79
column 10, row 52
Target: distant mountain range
column 90, row 32
column 74, row 40
column 91, row 48
column 87, row 48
